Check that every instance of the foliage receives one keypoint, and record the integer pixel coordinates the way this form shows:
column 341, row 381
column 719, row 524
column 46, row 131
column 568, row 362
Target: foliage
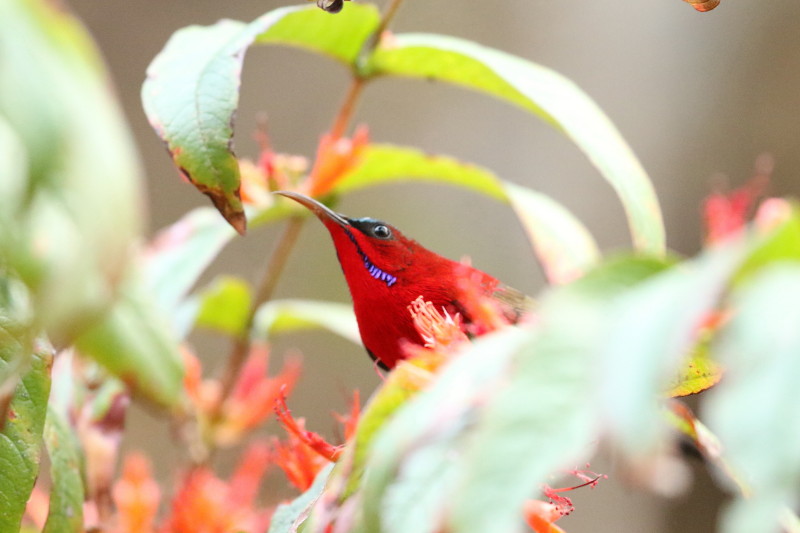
column 461, row 435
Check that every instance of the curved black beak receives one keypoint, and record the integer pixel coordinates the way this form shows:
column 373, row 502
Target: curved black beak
column 322, row 211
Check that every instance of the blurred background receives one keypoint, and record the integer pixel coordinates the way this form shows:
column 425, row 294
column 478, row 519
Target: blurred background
column 695, row 95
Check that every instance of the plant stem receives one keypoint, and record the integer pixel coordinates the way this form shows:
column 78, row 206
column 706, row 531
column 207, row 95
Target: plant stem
column 241, row 346
column 386, row 18
column 348, row 108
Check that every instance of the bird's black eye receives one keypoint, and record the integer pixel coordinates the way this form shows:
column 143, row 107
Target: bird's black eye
column 382, row 232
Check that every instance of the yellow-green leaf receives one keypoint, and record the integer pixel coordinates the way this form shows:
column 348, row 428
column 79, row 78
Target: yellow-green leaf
column 697, row 373
column 537, row 89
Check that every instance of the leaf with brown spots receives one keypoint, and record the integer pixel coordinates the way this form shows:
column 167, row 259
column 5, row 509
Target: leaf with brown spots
column 697, row 374
column 192, row 89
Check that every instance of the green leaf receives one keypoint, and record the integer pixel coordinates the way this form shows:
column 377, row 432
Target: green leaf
column 190, row 95
column 543, row 92
column 180, row 253
column 542, row 420
column 14, row 169
column 74, row 227
column 288, row 516
column 286, row 316
column 780, row 244
column 651, row 329
column 563, row 245
column 413, row 461
column 504, row 414
column 385, row 163
column 134, row 344
column 192, row 89
column 20, row 438
column 755, row 410
column 341, row 37
column 657, row 325
column 224, row 306
column 615, row 276
column 66, row 493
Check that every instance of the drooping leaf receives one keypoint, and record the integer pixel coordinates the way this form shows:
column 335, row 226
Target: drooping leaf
column 192, row 89
column 224, row 306
column 384, row 163
column 285, row 316
column 755, row 410
column 65, row 513
column 21, row 436
column 288, row 516
column 705, row 442
column 133, row 342
column 74, row 226
column 543, row 92
column 563, row 245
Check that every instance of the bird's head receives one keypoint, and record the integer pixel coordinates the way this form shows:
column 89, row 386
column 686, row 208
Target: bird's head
column 368, row 249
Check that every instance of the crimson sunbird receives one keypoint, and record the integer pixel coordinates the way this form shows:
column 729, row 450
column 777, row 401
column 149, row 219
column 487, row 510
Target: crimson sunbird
column 386, row 271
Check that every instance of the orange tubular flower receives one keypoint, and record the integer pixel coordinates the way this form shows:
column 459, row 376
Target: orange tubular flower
column 305, row 453
column 540, row 516
column 252, row 399
column 136, row 496
column 299, row 461
column 204, row 505
column 334, row 158
column 296, row 427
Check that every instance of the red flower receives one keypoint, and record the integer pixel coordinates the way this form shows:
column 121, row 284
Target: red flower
column 206, row 504
column 305, row 453
column 298, row 459
column 727, row 212
column 540, row 515
column 254, row 394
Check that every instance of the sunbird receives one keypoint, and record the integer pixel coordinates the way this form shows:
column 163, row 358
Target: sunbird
column 386, row 271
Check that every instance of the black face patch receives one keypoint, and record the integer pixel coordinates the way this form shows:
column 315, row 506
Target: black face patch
column 373, row 228
column 373, row 270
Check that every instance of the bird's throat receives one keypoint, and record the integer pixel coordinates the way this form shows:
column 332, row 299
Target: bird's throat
column 372, row 269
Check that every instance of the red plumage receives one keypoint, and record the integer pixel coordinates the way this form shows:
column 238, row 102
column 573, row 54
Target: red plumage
column 386, row 271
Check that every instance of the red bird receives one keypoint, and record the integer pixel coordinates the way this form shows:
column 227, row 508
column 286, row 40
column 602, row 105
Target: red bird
column 386, row 271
